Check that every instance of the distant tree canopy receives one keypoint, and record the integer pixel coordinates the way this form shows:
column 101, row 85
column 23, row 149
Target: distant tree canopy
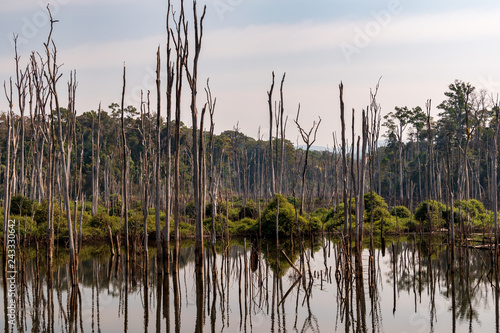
column 467, row 118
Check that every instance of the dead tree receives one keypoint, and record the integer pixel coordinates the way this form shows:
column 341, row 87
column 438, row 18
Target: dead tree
column 429, row 163
column 373, row 148
column 21, row 85
column 181, row 54
column 344, row 156
column 97, row 163
column 192, row 78
column 65, row 144
column 214, row 180
column 495, row 180
column 125, row 169
column 146, row 143
column 280, row 150
column 271, row 166
column 158, row 167
column 6, row 214
column 308, row 141
column 361, row 179
column 282, row 134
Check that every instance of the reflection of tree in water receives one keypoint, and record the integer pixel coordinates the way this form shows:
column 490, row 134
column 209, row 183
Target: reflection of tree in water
column 421, row 268
column 239, row 287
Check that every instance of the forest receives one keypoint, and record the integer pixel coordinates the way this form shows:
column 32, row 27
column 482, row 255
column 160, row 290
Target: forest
column 128, row 174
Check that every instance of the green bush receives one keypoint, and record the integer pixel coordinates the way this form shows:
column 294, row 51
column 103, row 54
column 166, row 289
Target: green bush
column 100, row 221
column 470, row 207
column 379, row 206
column 380, row 213
column 438, row 213
column 234, row 213
column 321, row 213
column 286, row 218
column 20, row 205
column 314, row 224
column 384, row 219
column 248, row 210
column 245, row 226
column 41, row 211
column 335, row 217
column 187, row 230
column 401, row 212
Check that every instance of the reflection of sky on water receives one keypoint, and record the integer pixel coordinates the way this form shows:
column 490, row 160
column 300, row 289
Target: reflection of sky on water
column 320, row 312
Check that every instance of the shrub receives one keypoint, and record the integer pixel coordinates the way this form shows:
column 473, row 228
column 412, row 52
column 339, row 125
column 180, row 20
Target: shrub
column 437, row 213
column 384, row 219
column 321, row 213
column 335, row 217
column 286, row 218
column 380, row 213
column 378, row 204
column 246, row 225
column 401, row 212
column 20, row 205
column 41, row 211
column 100, row 221
column 248, row 210
column 470, row 207
column 314, row 224
column 378, row 201
column 187, row 230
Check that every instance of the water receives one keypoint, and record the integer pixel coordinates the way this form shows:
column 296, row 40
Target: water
column 241, row 290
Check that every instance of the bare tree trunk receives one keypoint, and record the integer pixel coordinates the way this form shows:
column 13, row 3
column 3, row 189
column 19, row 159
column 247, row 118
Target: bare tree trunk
column 96, row 161
column 158, row 167
column 282, row 133
column 168, row 213
column 495, row 183
column 146, row 143
column 270, row 103
column 362, row 174
column 344, row 157
column 306, row 137
column 65, row 152
column 21, row 85
column 214, row 181
column 429, row 163
column 192, row 77
column 7, row 188
column 125, row 171
column 181, row 55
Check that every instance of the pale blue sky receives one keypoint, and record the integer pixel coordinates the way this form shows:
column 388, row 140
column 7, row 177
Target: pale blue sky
column 418, row 47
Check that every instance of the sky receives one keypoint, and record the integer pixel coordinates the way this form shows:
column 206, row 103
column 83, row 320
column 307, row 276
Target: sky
column 417, row 48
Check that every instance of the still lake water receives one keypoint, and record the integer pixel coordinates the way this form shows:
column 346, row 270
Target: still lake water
column 242, row 291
